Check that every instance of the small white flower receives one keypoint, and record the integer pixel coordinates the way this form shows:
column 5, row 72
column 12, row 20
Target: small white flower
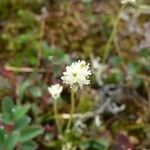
column 77, row 74
column 55, row 91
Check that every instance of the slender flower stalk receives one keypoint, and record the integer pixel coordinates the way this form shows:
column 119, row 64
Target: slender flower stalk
column 56, row 117
column 55, row 91
column 108, row 44
column 71, row 110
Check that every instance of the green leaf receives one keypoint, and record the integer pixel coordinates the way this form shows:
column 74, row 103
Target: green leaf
column 2, row 135
column 1, row 146
column 116, row 61
column 144, row 53
column 94, row 145
column 23, row 88
column 11, row 140
column 6, row 118
column 36, row 91
column 132, row 68
column 29, row 145
column 21, row 123
column 46, row 50
column 7, row 105
column 57, row 54
column 30, row 133
column 20, row 111
column 136, row 82
column 113, row 78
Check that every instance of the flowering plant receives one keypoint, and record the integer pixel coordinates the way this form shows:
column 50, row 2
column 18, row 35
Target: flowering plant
column 76, row 75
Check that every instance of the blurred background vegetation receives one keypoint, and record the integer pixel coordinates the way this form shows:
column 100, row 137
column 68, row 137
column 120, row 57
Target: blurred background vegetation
column 39, row 37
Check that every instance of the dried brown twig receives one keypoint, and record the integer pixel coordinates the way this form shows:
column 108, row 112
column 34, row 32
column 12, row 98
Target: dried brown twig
column 26, row 69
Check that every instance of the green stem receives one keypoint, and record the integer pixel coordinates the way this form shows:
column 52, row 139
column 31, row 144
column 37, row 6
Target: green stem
column 56, row 117
column 71, row 110
column 107, row 48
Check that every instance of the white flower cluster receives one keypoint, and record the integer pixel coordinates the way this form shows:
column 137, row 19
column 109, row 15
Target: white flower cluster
column 77, row 74
column 55, row 91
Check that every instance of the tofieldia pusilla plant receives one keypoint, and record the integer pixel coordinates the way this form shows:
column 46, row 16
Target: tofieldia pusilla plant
column 76, row 75
column 55, row 91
